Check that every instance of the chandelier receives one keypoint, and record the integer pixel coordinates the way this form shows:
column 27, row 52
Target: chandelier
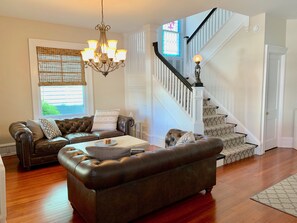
column 103, row 55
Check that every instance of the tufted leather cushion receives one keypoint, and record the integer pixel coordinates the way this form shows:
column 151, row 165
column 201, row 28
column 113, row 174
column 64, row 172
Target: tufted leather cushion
column 80, row 137
column 67, row 126
column 50, row 146
column 173, row 136
column 108, row 134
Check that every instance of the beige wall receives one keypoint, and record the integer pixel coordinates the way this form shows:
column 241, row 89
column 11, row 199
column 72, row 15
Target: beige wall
column 290, row 100
column 234, row 75
column 275, row 31
column 15, row 86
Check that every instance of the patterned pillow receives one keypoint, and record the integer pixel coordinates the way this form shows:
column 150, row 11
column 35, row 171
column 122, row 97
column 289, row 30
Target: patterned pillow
column 35, row 128
column 187, row 137
column 49, row 128
column 105, row 120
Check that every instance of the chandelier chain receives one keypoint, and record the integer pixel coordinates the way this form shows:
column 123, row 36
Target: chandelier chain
column 102, row 17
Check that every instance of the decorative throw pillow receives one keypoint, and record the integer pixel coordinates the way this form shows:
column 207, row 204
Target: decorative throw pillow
column 108, row 153
column 185, row 138
column 50, row 128
column 105, row 119
column 35, row 128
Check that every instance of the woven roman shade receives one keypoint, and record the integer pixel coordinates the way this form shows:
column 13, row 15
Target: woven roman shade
column 60, row 67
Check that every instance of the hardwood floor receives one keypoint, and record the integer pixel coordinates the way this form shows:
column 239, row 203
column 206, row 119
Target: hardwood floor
column 40, row 195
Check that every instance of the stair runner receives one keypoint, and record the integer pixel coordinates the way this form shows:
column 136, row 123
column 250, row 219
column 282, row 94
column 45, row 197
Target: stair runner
column 235, row 146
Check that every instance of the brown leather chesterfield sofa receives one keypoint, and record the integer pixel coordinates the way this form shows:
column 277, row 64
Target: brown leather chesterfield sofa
column 42, row 151
column 124, row 189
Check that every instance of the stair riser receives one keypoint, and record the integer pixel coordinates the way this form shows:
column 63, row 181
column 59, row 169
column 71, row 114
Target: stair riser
column 238, row 156
column 219, row 132
column 209, row 111
column 212, row 121
column 234, row 142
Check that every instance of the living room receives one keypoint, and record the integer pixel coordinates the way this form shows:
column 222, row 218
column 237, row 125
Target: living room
column 128, row 90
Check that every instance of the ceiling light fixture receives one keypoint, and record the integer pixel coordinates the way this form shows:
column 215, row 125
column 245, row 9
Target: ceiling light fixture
column 103, row 56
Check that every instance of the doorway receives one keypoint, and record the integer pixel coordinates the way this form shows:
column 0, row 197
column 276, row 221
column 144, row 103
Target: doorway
column 273, row 95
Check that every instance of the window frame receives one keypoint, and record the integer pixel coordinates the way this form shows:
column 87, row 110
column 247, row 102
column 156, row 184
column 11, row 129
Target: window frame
column 179, row 39
column 36, row 96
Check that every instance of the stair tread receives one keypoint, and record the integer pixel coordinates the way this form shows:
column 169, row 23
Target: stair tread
column 210, row 106
column 214, row 116
column 237, row 149
column 231, row 136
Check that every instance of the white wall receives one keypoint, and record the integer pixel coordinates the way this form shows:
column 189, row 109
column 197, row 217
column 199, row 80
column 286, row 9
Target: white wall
column 192, row 22
column 145, row 97
column 290, row 100
column 275, row 30
column 234, row 75
column 138, row 75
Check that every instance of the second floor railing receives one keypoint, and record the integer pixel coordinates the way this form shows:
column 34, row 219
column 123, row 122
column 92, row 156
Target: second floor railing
column 214, row 21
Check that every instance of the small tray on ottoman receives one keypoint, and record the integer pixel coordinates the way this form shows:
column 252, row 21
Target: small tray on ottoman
column 101, row 143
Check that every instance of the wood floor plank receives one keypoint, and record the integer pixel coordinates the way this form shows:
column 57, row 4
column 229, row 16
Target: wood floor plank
column 40, row 195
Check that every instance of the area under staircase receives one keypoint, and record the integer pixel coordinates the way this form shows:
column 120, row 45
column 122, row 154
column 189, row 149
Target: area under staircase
column 215, row 125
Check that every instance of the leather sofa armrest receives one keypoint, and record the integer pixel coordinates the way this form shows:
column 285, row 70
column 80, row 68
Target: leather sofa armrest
column 23, row 137
column 124, row 124
column 16, row 129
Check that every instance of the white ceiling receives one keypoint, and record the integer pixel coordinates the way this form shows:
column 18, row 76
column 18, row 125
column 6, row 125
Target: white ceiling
column 129, row 15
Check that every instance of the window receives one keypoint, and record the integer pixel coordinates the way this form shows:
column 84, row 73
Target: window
column 60, row 88
column 62, row 100
column 171, row 39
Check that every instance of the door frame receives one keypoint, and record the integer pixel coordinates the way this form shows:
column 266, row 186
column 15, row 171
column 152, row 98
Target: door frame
column 271, row 49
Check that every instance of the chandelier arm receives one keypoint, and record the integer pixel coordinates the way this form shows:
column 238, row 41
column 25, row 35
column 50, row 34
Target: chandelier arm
column 94, row 66
column 115, row 66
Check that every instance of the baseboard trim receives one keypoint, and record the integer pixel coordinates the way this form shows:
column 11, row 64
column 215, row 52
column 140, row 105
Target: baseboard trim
column 7, row 149
column 287, row 142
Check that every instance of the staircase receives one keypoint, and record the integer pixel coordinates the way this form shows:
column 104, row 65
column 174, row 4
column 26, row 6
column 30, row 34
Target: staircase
column 215, row 125
column 196, row 114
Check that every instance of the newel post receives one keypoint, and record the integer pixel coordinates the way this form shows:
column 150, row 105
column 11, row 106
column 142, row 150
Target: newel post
column 198, row 110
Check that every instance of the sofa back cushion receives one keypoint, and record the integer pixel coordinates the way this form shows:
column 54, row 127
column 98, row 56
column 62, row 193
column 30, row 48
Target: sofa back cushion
column 35, row 128
column 74, row 125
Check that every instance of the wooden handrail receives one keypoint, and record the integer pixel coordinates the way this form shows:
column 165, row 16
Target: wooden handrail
column 201, row 25
column 170, row 67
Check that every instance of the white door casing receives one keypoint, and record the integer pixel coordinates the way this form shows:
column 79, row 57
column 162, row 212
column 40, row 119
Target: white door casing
column 273, row 87
column 272, row 102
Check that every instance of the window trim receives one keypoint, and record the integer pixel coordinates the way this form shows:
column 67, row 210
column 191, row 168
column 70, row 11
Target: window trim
column 36, row 99
column 179, row 40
